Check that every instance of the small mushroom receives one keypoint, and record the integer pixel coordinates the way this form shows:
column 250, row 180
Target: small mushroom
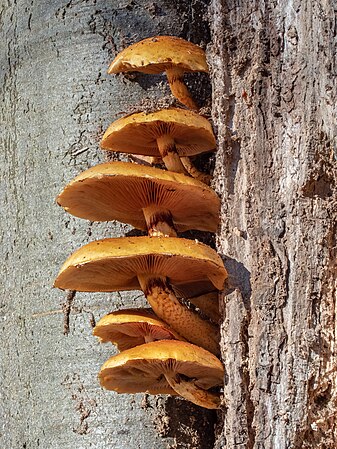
column 194, row 172
column 166, row 367
column 163, row 268
column 169, row 133
column 208, row 304
column 186, row 161
column 133, row 327
column 145, row 197
column 169, row 54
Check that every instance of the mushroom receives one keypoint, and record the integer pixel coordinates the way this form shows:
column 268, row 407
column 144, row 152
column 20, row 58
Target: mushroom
column 168, row 133
column 208, row 304
column 169, row 54
column 194, row 172
column 186, row 161
column 132, row 327
column 145, row 197
column 166, row 367
column 163, row 268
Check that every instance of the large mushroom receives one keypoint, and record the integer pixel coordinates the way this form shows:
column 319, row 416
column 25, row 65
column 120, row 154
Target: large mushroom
column 169, row 54
column 128, row 328
column 166, row 367
column 168, row 133
column 163, row 268
column 147, row 198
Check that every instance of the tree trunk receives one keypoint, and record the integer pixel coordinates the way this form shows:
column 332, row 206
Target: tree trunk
column 274, row 97
column 57, row 101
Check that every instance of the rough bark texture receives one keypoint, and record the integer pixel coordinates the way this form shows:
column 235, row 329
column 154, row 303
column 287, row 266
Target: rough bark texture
column 56, row 102
column 274, row 68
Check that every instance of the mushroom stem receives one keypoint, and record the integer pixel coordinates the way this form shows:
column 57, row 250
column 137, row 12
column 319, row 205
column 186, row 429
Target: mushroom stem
column 190, row 391
column 183, row 320
column 168, row 152
column 149, row 338
column 159, row 222
column 208, row 304
column 194, row 172
column 178, row 87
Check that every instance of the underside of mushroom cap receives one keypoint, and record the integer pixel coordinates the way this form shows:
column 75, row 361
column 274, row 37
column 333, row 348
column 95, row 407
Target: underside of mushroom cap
column 159, row 53
column 121, row 190
column 191, row 267
column 133, row 327
column 143, row 369
column 138, row 133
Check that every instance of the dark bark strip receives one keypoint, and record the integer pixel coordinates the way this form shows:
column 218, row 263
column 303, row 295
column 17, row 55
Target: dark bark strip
column 66, row 308
column 273, row 67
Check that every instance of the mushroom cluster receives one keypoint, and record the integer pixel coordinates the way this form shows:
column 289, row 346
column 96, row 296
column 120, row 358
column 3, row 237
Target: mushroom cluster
column 170, row 348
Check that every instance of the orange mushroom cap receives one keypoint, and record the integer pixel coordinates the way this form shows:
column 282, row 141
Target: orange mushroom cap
column 114, row 264
column 133, row 327
column 159, row 53
column 121, row 190
column 143, row 368
column 163, row 268
column 138, row 133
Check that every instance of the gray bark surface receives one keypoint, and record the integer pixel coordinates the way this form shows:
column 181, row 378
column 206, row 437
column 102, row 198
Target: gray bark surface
column 56, row 102
column 274, row 89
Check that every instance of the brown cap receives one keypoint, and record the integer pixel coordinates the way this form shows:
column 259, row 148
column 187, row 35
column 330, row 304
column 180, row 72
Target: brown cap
column 159, row 53
column 133, row 327
column 143, row 369
column 138, row 133
column 121, row 190
column 191, row 267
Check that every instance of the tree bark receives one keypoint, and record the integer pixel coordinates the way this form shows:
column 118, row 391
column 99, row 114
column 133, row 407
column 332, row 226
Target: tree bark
column 273, row 67
column 56, row 102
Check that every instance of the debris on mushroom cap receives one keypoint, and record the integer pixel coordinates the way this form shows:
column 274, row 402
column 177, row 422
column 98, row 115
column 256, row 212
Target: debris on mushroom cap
column 133, row 327
column 113, row 264
column 146, row 368
column 157, row 54
column 121, row 191
column 138, row 133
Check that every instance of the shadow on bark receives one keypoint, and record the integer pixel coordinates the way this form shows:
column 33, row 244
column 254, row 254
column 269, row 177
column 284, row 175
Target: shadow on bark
column 189, row 425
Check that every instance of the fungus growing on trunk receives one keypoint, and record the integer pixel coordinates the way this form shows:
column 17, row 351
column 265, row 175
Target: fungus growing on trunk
column 166, row 367
column 208, row 304
column 163, row 268
column 146, row 197
column 133, row 327
column 169, row 54
column 168, row 133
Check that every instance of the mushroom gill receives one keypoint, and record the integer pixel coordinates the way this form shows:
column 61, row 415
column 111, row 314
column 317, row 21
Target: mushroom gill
column 158, row 266
column 166, row 366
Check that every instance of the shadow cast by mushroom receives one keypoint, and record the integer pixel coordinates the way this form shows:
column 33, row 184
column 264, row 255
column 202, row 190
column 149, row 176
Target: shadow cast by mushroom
column 189, row 425
column 238, row 278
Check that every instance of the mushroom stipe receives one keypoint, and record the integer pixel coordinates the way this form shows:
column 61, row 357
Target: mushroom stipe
column 166, row 305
